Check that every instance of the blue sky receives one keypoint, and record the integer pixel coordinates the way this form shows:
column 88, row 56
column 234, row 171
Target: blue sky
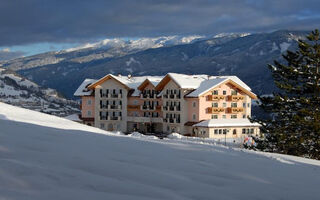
column 36, row 26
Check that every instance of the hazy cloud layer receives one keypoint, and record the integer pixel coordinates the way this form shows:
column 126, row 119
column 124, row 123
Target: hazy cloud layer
column 32, row 21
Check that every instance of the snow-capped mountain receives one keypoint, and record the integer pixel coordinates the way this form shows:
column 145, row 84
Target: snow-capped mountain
column 104, row 49
column 47, row 157
column 244, row 55
column 17, row 90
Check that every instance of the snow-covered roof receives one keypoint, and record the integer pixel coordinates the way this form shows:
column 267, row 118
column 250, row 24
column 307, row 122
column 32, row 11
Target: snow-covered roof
column 188, row 81
column 213, row 81
column 225, row 123
column 200, row 83
column 82, row 89
column 206, row 85
column 135, row 81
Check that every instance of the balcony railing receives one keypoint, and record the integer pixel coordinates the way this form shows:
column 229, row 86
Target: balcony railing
column 235, row 110
column 171, row 120
column 113, row 96
column 115, row 107
column 148, row 96
column 212, row 110
column 235, row 97
column 171, row 108
column 215, row 97
column 133, row 107
column 148, row 107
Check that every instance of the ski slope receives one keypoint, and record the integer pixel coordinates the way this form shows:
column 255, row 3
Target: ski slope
column 46, row 157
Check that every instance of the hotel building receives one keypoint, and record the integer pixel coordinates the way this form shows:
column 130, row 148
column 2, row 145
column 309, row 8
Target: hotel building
column 196, row 105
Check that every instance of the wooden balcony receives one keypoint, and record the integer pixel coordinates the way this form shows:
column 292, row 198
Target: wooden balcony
column 234, row 110
column 215, row 97
column 235, row 97
column 213, row 110
column 133, row 107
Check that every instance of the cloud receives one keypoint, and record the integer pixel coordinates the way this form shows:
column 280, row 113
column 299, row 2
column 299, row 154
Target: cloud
column 35, row 21
column 7, row 54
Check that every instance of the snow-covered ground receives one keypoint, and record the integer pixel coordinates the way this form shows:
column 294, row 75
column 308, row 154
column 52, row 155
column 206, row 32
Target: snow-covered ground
column 47, row 157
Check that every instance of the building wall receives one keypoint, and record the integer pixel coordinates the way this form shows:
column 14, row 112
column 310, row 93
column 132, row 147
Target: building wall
column 205, row 104
column 206, row 132
column 87, row 106
column 175, row 127
column 137, row 121
column 111, row 125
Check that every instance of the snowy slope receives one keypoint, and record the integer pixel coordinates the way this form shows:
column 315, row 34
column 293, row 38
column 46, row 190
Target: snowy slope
column 46, row 157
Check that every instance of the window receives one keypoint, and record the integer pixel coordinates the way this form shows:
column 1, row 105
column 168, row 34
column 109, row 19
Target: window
column 224, row 116
column 234, row 105
column 234, row 92
column 194, row 116
column 248, row 105
column 215, row 105
column 102, row 125
column 215, row 131
column 194, row 104
column 243, row 131
column 215, row 92
column 214, row 117
column 233, row 116
column 89, row 102
column 220, row 131
column 89, row 113
column 224, row 131
column 168, row 128
column 251, row 131
column 244, row 105
column 224, row 92
column 135, row 102
column 243, row 116
column 234, row 131
column 224, row 105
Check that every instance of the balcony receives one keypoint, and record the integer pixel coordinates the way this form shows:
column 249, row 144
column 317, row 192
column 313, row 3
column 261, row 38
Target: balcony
column 235, row 110
column 215, row 97
column 171, row 108
column 115, row 107
column 148, row 107
column 148, row 96
column 214, row 110
column 235, row 97
column 172, row 120
column 114, row 118
column 133, row 107
column 115, row 96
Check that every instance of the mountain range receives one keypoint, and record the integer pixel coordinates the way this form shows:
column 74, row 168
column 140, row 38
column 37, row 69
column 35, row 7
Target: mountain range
column 243, row 55
column 19, row 91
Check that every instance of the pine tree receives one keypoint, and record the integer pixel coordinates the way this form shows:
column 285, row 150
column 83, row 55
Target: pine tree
column 294, row 127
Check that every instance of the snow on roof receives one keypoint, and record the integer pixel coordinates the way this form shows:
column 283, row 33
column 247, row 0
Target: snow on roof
column 202, row 82
column 214, row 81
column 134, row 82
column 82, row 89
column 188, row 81
column 225, row 123
column 206, row 85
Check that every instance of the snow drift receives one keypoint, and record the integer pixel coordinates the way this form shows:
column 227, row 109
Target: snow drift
column 46, row 157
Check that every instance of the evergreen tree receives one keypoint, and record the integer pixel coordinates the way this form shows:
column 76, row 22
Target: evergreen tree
column 294, row 126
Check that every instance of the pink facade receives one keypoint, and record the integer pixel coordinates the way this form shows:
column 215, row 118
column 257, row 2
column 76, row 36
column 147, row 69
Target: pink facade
column 87, row 106
column 201, row 106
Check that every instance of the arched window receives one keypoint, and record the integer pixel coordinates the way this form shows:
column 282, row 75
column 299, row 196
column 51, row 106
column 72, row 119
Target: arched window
column 234, row 131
